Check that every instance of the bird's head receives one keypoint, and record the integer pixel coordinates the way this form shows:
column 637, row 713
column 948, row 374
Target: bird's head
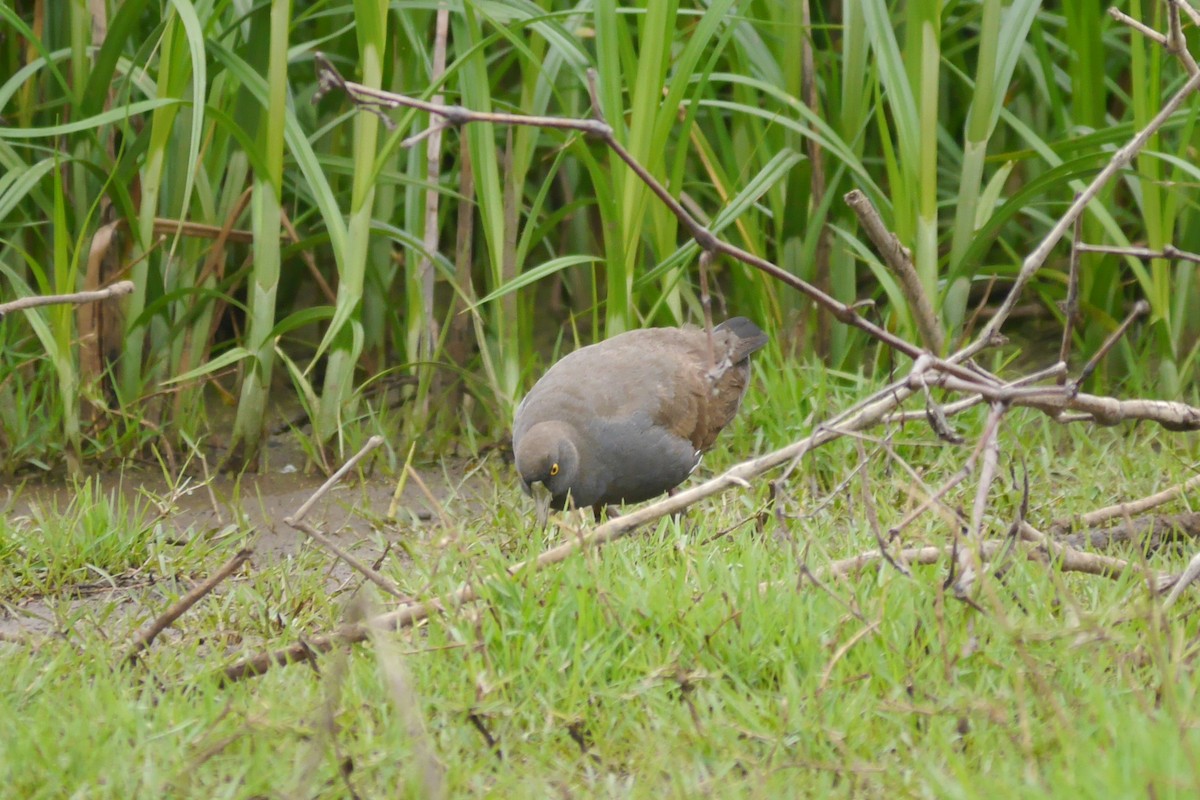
column 548, row 464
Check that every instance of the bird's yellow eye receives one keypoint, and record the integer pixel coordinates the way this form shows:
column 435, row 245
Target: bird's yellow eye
column 553, row 470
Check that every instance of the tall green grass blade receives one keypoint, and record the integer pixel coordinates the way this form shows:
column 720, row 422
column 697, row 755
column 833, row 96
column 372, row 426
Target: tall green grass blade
column 346, row 343
column 250, row 423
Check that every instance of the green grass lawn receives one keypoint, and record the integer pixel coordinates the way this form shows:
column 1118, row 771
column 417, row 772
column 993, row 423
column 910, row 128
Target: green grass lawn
column 658, row 666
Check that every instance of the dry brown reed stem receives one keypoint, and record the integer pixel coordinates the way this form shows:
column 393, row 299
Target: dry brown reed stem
column 899, row 260
column 433, row 168
column 1070, row 307
column 34, row 301
column 163, row 621
column 822, row 252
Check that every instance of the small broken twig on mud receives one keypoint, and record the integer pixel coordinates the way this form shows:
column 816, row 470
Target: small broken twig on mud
column 370, row 574
column 168, row 617
column 296, row 521
column 333, row 479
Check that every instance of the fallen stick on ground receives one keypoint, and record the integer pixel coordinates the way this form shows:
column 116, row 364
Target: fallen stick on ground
column 1127, row 509
column 1147, row 532
column 1069, row 560
column 147, row 635
column 297, row 521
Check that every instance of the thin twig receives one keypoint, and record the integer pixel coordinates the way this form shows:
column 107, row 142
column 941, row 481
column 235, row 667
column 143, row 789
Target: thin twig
column 1190, row 11
column 1142, row 28
column 1140, row 309
column 1169, row 252
column 147, row 635
column 1071, row 306
column 370, row 574
column 1173, row 41
column 1190, row 573
column 970, row 559
column 1128, row 509
column 77, row 298
column 333, row 479
column 868, row 504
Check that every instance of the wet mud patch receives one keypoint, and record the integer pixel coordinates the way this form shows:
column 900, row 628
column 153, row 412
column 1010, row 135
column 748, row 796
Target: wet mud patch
column 188, row 528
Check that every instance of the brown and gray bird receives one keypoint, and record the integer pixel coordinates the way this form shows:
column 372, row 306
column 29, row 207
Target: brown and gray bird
column 627, row 419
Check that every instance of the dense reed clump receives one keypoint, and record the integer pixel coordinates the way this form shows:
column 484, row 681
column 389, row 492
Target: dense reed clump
column 179, row 145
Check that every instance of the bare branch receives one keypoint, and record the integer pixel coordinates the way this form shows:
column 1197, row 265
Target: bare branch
column 1169, row 252
column 148, row 634
column 1121, row 158
column 1140, row 309
column 1071, row 307
column 77, row 298
column 333, row 480
column 899, row 260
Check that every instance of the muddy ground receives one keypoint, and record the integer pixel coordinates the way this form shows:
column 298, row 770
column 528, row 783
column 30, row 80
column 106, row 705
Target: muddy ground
column 354, row 514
